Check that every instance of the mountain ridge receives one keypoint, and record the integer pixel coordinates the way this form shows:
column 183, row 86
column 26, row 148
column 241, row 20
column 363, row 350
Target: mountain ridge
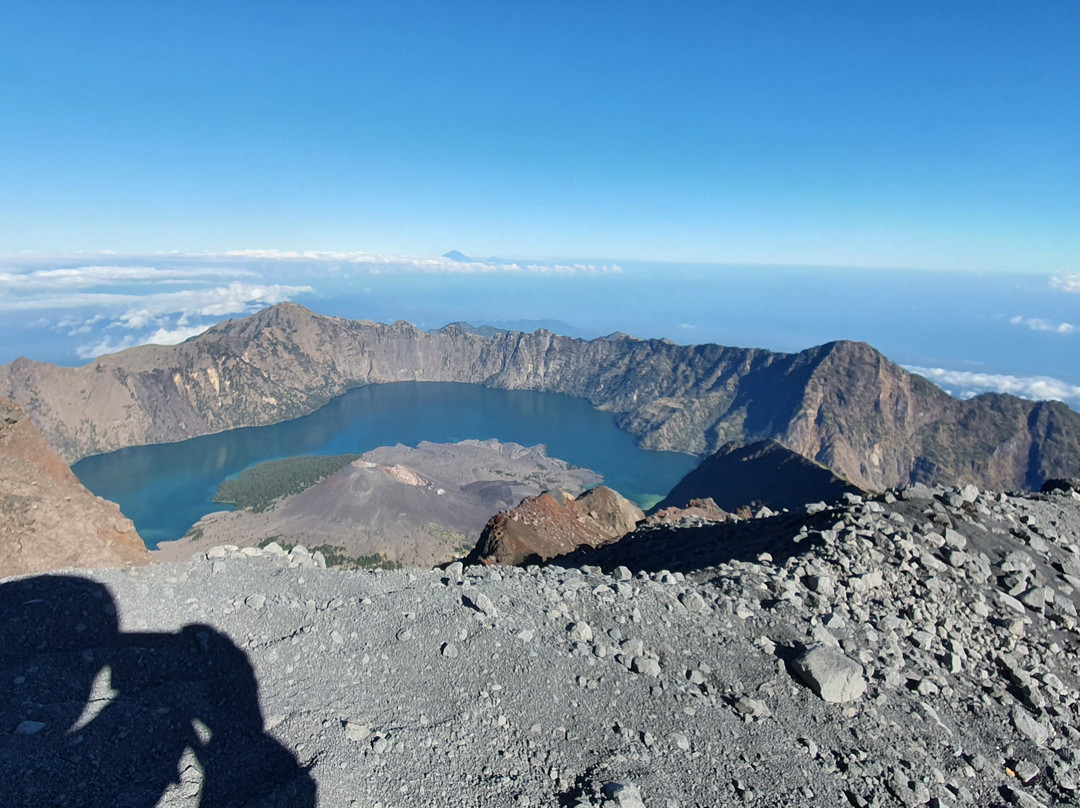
column 842, row 404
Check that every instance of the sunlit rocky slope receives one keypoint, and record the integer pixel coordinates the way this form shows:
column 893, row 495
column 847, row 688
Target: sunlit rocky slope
column 48, row 520
column 842, row 404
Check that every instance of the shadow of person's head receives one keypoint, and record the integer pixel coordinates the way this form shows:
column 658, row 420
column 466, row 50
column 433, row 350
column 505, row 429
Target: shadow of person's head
column 97, row 716
column 55, row 635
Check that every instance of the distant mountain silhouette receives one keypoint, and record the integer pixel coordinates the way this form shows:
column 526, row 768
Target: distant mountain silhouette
column 454, row 255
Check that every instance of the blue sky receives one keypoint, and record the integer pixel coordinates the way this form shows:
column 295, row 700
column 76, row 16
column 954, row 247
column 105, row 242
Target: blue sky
column 906, row 134
column 775, row 174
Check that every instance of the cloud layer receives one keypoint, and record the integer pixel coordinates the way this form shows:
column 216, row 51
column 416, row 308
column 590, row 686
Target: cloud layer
column 1067, row 283
column 382, row 264
column 965, row 384
column 167, row 297
column 1039, row 324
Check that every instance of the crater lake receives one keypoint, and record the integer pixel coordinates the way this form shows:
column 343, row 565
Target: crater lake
column 165, row 488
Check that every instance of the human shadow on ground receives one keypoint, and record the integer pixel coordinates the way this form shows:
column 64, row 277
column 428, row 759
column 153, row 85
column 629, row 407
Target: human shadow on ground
column 93, row 716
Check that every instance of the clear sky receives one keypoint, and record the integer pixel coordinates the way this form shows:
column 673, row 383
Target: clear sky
column 938, row 135
column 762, row 173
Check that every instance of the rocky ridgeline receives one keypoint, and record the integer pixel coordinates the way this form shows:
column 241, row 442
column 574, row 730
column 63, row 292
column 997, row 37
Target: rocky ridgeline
column 843, row 404
column 916, row 649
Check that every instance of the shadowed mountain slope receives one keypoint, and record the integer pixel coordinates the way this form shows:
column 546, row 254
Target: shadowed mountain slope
column 842, row 404
column 760, row 473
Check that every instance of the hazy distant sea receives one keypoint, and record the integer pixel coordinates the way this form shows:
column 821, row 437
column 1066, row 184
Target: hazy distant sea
column 969, row 332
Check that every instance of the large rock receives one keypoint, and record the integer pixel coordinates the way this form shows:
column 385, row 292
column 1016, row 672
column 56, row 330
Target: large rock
column 550, row 525
column 48, row 520
column 830, row 674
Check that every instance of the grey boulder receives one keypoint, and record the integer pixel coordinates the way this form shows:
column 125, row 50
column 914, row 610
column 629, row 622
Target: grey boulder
column 830, row 674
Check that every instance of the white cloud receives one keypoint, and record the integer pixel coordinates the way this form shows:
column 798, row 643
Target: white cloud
column 162, row 318
column 105, row 346
column 75, row 326
column 965, row 384
column 162, row 336
column 1066, row 283
column 88, row 277
column 235, row 298
column 1039, row 324
column 175, row 336
column 46, row 277
column 136, row 318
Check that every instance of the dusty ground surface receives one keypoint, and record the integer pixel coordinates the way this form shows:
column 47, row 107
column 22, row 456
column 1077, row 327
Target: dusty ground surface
column 907, row 651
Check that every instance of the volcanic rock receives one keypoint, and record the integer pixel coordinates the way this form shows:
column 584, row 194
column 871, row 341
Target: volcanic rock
column 396, row 504
column 673, row 681
column 548, row 525
column 829, row 673
column 48, row 520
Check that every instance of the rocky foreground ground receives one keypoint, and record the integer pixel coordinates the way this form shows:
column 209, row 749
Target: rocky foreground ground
column 920, row 648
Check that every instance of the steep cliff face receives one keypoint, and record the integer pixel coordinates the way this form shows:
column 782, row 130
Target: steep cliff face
column 841, row 404
column 48, row 520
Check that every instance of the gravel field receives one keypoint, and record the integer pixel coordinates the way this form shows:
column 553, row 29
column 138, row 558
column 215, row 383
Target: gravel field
column 920, row 648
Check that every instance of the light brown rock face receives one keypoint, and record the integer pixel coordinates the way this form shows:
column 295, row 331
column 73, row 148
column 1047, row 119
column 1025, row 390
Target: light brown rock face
column 550, row 525
column 48, row 520
column 842, row 404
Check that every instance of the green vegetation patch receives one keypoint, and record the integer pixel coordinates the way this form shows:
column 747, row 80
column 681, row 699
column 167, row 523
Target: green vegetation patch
column 257, row 488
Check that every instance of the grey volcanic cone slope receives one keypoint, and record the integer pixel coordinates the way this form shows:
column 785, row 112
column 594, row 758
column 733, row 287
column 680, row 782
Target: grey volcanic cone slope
column 897, row 652
column 842, row 404
column 421, row 506
column 761, row 473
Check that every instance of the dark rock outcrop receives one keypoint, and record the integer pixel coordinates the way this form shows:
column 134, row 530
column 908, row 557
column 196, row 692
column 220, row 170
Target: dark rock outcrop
column 842, row 404
column 48, row 520
column 762, row 473
column 550, row 525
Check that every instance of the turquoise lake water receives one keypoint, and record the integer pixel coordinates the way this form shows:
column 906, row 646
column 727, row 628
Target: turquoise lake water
column 165, row 488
